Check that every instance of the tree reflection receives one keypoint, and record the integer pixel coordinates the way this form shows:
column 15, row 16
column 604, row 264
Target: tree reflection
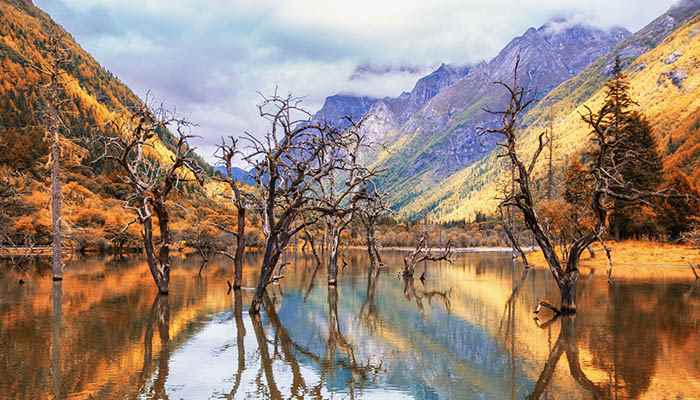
column 566, row 344
column 240, row 340
column 56, row 328
column 368, row 310
column 285, row 349
column 160, row 317
column 653, row 313
column 418, row 295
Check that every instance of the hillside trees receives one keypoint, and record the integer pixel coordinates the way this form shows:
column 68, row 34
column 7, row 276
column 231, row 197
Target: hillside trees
column 152, row 183
column 635, row 154
column 678, row 214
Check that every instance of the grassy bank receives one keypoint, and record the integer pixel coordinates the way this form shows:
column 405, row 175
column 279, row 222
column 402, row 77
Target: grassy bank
column 638, row 260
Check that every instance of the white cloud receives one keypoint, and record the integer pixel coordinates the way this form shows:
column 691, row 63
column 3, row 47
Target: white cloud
column 211, row 58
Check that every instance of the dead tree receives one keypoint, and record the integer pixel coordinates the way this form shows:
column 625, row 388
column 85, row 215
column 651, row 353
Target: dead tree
column 507, row 221
column 551, row 146
column 226, row 152
column 372, row 209
column 151, row 181
column 521, row 198
column 424, row 254
column 288, row 174
column 342, row 190
column 607, row 184
column 53, row 73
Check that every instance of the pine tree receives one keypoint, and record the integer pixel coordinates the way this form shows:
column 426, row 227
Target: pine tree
column 637, row 157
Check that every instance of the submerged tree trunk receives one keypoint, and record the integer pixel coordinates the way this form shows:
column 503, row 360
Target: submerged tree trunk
column 158, row 266
column 269, row 262
column 372, row 250
column 333, row 258
column 164, row 252
column 57, row 261
column 568, row 294
column 240, row 250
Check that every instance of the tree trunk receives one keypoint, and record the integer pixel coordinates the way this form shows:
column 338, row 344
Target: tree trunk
column 568, row 295
column 164, row 252
column 57, row 261
column 151, row 258
column 268, row 265
column 372, row 250
column 240, row 251
column 333, row 259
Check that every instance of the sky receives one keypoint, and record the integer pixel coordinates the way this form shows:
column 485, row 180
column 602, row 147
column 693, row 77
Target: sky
column 210, row 59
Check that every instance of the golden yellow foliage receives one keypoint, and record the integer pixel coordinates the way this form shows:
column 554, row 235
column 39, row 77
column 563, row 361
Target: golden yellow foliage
column 671, row 109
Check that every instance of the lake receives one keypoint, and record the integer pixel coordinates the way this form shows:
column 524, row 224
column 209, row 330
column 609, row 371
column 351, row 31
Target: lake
column 465, row 333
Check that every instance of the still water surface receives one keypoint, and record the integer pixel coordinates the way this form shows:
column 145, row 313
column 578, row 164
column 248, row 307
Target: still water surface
column 464, row 334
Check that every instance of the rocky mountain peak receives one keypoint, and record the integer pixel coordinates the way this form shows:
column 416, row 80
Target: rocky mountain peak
column 339, row 106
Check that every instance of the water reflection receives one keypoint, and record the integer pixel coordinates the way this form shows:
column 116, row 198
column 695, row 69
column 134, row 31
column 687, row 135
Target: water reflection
column 56, row 322
column 158, row 320
column 466, row 332
column 566, row 344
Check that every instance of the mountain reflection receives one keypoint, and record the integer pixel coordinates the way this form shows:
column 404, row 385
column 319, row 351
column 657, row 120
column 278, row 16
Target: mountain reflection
column 466, row 332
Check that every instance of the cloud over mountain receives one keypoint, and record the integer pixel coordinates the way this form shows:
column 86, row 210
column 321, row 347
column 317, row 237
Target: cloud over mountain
column 210, row 60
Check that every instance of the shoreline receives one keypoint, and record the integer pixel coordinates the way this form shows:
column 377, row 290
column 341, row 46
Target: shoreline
column 485, row 249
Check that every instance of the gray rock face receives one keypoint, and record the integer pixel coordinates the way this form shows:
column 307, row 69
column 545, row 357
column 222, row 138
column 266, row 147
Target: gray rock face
column 449, row 121
column 677, row 76
column 673, row 57
column 336, row 108
column 382, row 117
column 387, row 116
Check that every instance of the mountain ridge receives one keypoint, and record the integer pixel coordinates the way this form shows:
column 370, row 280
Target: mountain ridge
column 442, row 136
column 659, row 60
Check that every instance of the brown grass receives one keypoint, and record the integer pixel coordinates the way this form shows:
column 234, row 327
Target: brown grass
column 638, row 260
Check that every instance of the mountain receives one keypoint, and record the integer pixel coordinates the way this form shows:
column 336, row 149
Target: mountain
column 239, row 174
column 386, row 116
column 93, row 192
column 442, row 136
column 336, row 108
column 662, row 66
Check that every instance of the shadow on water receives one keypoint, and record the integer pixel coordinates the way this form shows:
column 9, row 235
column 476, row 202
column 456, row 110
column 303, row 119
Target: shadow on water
column 466, row 332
